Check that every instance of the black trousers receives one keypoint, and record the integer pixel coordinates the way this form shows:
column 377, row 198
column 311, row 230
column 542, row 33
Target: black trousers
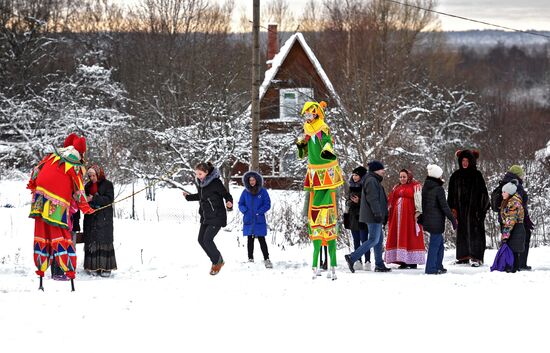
column 206, row 240
column 523, row 255
column 517, row 256
column 263, row 246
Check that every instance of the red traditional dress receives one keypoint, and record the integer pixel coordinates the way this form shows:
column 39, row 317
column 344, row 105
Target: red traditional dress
column 405, row 243
column 54, row 182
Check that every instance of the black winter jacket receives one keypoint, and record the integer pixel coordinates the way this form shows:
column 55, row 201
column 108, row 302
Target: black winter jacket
column 211, row 197
column 354, row 208
column 434, row 206
column 508, row 177
column 98, row 226
column 374, row 202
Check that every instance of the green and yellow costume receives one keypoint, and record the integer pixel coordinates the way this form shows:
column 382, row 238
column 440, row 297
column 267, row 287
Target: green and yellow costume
column 323, row 177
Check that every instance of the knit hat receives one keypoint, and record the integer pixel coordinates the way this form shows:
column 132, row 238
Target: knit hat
column 517, row 170
column 375, row 165
column 434, row 171
column 510, row 188
column 361, row 171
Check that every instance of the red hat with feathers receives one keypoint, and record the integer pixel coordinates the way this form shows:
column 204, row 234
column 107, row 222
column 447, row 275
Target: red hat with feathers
column 79, row 144
column 70, row 140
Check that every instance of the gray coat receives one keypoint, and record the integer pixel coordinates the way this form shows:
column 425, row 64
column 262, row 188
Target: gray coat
column 374, row 202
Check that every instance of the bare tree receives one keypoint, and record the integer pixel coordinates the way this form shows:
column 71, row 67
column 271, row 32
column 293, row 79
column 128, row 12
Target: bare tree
column 278, row 11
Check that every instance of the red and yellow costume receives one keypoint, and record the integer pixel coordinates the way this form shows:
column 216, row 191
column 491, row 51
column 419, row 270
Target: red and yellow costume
column 56, row 183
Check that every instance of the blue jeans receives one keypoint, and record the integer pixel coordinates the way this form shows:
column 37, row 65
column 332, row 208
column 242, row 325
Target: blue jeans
column 434, row 262
column 375, row 241
column 360, row 237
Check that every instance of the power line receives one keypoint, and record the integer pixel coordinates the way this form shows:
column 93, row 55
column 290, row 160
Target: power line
column 469, row 19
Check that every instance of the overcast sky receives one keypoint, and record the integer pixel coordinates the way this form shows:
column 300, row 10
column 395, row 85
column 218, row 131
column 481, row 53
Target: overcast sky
column 519, row 14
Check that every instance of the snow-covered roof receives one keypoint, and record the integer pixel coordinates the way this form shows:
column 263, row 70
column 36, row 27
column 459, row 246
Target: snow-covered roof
column 544, row 152
column 278, row 60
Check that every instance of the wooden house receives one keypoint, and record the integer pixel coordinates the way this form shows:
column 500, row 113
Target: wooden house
column 294, row 76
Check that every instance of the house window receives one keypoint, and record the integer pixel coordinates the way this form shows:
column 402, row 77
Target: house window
column 291, row 101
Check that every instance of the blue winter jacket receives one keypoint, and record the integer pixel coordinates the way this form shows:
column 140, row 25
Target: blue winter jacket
column 254, row 203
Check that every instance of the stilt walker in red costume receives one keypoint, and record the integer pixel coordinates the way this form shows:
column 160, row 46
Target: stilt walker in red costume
column 56, row 183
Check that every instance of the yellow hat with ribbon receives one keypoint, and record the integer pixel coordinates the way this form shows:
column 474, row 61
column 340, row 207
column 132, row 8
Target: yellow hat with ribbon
column 315, row 108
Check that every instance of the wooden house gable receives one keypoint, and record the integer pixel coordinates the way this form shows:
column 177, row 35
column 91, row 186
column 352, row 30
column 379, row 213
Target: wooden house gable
column 295, row 80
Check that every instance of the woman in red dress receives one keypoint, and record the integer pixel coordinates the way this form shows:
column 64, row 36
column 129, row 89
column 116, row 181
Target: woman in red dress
column 405, row 243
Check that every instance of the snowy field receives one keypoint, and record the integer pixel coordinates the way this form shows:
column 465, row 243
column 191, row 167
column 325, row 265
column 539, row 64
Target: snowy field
column 162, row 298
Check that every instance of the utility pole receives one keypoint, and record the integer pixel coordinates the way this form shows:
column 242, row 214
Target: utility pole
column 255, row 108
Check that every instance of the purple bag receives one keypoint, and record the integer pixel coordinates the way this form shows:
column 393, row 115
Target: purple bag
column 504, row 259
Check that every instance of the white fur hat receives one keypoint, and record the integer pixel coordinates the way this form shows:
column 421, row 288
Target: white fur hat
column 434, row 171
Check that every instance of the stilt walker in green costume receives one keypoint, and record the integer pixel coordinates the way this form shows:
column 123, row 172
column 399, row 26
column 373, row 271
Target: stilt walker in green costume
column 323, row 177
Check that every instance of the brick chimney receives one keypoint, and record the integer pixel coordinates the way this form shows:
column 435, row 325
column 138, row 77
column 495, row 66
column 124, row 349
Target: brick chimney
column 272, row 43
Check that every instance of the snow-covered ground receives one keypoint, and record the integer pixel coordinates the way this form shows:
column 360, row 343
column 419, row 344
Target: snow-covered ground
column 163, row 299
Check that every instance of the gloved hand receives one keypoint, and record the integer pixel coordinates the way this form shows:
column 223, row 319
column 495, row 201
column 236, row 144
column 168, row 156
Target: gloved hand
column 455, row 224
column 300, row 142
column 455, row 212
column 327, row 155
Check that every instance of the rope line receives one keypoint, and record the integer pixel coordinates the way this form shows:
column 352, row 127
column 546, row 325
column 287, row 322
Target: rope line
column 170, row 173
column 469, row 19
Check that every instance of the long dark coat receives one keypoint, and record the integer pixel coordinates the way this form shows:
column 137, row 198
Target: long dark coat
column 468, row 196
column 98, row 226
column 211, row 197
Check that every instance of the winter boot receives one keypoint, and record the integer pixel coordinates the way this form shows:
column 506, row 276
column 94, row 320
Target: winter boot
column 316, row 272
column 332, row 273
column 60, row 278
column 350, row 263
column 217, row 267
column 475, row 263
column 382, row 269
column 268, row 263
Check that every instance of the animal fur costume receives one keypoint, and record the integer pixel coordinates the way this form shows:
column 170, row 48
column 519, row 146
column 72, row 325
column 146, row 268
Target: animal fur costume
column 469, row 201
column 56, row 185
column 322, row 178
